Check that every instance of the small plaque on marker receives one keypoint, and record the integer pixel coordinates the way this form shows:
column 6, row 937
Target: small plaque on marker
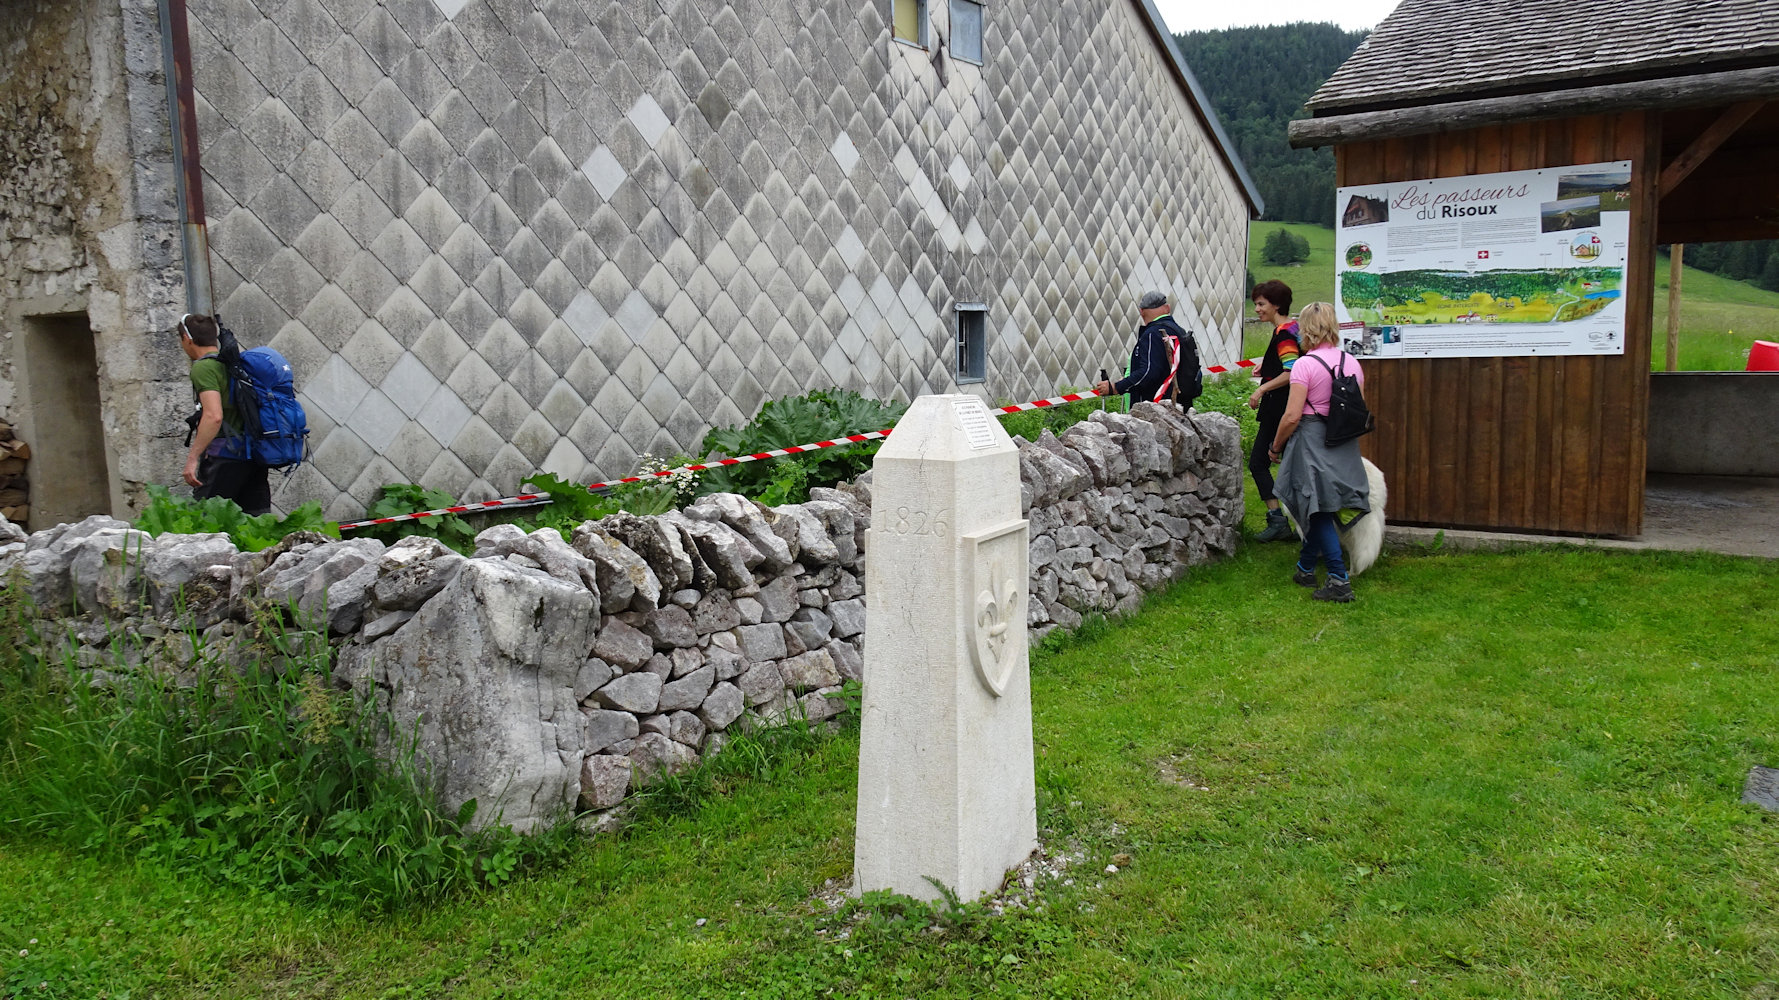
column 974, row 416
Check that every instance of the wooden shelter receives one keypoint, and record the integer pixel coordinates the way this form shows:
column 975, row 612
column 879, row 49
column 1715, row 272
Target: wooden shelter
column 1688, row 93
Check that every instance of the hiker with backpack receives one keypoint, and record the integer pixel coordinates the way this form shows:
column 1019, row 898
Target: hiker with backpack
column 1321, row 472
column 248, row 420
column 1164, row 363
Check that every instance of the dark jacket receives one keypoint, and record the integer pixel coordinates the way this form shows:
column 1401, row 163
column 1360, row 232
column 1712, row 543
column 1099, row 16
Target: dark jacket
column 1151, row 364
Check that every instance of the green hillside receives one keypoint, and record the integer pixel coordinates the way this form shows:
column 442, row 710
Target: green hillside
column 1720, row 318
column 1310, row 281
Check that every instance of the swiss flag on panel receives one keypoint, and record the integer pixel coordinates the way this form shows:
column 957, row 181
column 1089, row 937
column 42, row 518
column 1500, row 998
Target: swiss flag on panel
column 1482, row 255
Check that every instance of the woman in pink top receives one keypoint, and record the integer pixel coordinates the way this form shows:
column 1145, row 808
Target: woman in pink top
column 1317, row 481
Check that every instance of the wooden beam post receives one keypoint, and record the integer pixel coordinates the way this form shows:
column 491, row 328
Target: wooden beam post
column 1675, row 253
column 1707, row 143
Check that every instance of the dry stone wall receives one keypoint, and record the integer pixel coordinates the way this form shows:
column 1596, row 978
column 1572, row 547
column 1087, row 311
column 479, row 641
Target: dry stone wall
column 541, row 673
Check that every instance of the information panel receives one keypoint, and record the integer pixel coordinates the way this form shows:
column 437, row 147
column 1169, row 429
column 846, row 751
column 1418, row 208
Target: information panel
column 1530, row 262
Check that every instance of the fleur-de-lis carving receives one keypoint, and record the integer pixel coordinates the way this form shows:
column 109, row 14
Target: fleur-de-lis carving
column 995, row 609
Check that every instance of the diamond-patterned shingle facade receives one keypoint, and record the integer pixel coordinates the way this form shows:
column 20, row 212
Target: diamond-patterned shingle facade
column 498, row 236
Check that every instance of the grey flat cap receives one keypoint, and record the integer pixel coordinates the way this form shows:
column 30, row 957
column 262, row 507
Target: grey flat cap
column 1152, row 300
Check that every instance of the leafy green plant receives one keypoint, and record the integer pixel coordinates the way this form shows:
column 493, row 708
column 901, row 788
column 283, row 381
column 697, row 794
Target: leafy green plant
column 407, row 498
column 570, row 505
column 789, row 483
column 258, row 774
column 821, row 415
column 167, row 514
column 657, row 494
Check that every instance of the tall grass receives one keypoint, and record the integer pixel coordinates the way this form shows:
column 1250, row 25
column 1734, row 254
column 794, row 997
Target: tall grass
column 261, row 775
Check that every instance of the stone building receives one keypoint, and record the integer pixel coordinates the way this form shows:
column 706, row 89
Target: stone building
column 498, row 236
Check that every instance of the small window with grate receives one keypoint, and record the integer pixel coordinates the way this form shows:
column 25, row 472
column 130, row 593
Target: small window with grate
column 972, row 342
column 909, row 23
column 966, row 31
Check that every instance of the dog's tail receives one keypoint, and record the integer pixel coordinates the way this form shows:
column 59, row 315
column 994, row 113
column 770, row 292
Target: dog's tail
column 1365, row 539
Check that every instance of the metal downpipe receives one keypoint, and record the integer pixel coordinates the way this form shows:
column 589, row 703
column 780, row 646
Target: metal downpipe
column 189, row 177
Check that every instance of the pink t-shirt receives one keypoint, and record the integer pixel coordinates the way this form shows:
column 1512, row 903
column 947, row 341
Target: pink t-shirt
column 1318, row 381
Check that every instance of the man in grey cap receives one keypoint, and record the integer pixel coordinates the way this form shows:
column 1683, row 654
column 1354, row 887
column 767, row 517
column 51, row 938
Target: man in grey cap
column 1164, row 364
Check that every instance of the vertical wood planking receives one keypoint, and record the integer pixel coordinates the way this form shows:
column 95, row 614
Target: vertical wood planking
column 1449, row 386
column 1520, row 395
column 1607, row 487
column 1480, row 476
column 1519, row 404
column 1578, row 448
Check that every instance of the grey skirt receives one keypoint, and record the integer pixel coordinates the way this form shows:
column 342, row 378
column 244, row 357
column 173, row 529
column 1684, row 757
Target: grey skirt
column 1316, row 479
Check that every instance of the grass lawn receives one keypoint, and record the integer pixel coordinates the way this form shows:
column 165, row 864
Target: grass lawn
column 1719, row 318
column 1494, row 776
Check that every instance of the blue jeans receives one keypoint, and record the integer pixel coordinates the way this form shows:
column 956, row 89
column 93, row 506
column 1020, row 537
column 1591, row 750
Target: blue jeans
column 1321, row 540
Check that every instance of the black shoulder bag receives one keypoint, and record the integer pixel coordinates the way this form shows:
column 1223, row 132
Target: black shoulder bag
column 1348, row 416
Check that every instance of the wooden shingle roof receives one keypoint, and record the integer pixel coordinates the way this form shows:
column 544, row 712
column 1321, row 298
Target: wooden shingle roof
column 1435, row 51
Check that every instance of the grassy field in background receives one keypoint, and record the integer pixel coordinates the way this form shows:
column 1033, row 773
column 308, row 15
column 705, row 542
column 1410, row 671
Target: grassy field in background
column 1719, row 318
column 1494, row 776
column 1311, row 281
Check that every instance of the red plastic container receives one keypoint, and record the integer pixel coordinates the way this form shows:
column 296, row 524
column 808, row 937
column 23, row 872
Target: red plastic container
column 1763, row 357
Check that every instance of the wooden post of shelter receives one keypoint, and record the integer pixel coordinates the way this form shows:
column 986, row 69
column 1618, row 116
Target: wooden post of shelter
column 1675, row 255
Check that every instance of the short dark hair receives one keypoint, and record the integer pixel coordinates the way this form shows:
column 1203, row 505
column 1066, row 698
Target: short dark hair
column 201, row 329
column 1274, row 291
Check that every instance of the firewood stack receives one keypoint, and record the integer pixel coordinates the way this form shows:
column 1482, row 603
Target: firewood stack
column 15, row 491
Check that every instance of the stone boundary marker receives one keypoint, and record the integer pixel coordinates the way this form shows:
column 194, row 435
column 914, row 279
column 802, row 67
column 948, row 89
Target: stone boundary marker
column 542, row 673
column 946, row 790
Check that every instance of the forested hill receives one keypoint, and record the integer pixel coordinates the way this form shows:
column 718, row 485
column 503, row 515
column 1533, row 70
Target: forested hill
column 1257, row 79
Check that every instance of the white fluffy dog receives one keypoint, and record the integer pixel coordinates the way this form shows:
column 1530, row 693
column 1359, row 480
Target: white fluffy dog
column 1362, row 539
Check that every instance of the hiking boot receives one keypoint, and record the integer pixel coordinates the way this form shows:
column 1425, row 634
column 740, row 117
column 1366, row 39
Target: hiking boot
column 1277, row 529
column 1337, row 591
column 1304, row 577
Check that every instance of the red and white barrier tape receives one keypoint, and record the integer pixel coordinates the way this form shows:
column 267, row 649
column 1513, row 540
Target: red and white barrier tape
column 1243, row 364
column 530, row 499
column 522, row 500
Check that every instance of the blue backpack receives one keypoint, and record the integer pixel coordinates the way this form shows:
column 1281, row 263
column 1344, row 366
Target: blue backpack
column 274, row 428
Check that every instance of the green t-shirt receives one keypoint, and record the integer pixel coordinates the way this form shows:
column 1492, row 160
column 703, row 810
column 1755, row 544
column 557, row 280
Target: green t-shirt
column 209, row 375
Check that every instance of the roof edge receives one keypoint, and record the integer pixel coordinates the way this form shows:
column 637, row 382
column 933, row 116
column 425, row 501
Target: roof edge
column 1195, row 95
column 1676, row 69
column 1700, row 90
